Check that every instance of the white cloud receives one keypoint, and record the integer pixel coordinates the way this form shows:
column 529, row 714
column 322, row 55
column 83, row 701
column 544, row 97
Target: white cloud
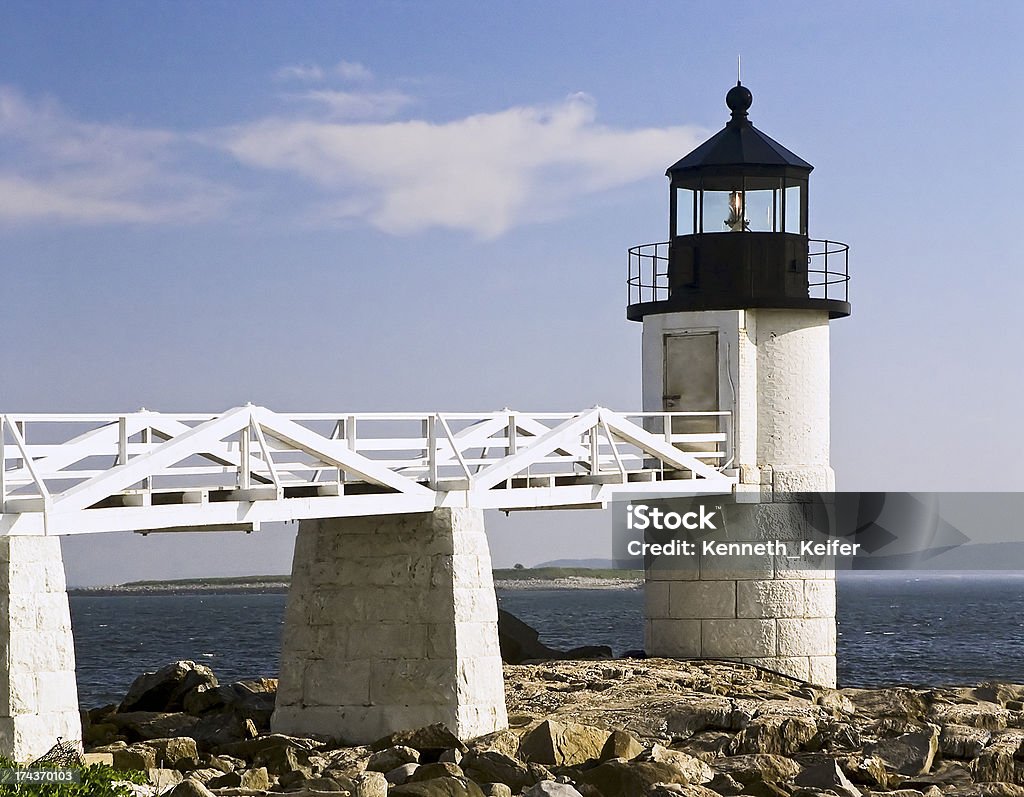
column 483, row 173
column 352, row 70
column 301, row 72
column 60, row 168
column 357, row 105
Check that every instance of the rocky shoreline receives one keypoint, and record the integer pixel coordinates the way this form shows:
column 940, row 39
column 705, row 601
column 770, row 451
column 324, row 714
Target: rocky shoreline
column 608, row 728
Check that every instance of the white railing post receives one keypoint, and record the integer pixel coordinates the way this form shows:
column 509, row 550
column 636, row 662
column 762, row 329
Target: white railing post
column 432, row 451
column 595, row 452
column 122, row 440
column 243, row 457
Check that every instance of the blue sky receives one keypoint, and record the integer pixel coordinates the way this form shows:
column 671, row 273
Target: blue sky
column 385, row 206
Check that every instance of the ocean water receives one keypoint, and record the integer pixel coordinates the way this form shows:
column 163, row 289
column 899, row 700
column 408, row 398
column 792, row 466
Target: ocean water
column 921, row 629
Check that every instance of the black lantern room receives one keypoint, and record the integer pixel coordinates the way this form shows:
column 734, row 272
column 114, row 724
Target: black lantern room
column 738, row 232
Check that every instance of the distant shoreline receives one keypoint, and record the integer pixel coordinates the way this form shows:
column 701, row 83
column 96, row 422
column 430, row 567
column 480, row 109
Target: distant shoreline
column 510, row 579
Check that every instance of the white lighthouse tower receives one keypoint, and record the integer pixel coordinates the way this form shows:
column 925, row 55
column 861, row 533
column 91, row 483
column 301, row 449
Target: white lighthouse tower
column 735, row 310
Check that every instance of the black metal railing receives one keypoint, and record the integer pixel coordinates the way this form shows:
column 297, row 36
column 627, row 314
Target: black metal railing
column 648, row 271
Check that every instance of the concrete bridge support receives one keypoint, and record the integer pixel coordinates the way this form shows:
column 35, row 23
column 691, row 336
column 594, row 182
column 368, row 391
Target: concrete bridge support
column 38, row 693
column 391, row 624
column 770, row 368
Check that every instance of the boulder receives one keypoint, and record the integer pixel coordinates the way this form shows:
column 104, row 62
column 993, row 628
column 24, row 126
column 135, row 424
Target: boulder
column 370, row 784
column 520, row 642
column 495, row 790
column 440, row 769
column 551, row 788
column 163, row 779
column 708, row 745
column 349, row 760
column 758, row 768
column 703, row 713
column 137, row 757
column 190, row 788
column 898, row 702
column 491, row 766
column 777, row 734
column 963, row 741
column 278, row 753
column 400, row 774
column 569, row 744
column 434, row 737
column 630, row 778
column 621, row 744
column 503, row 741
column 679, row 790
column 690, row 768
column 438, row 787
column 828, row 776
column 169, row 751
column 146, row 725
column 386, row 760
column 909, row 753
column 165, row 689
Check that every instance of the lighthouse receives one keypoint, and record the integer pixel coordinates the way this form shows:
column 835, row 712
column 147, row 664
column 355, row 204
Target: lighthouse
column 735, row 308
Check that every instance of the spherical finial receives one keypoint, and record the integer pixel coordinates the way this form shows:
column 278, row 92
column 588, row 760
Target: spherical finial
column 739, row 99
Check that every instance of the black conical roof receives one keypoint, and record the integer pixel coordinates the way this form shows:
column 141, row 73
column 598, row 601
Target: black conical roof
column 739, row 144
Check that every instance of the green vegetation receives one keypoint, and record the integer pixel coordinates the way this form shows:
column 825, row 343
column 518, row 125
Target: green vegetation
column 97, row 781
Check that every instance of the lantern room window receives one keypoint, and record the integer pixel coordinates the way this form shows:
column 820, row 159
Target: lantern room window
column 741, row 205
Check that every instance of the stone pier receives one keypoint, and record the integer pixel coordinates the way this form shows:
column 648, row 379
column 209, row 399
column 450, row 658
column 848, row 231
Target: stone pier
column 391, row 624
column 38, row 692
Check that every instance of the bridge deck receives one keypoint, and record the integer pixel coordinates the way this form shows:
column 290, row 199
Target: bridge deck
column 150, row 471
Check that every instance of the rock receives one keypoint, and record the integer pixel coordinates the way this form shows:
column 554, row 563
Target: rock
column 146, row 725
column 691, row 768
column 679, row 790
column 138, row 757
column 899, row 702
column 205, row 774
column 370, row 784
column 503, row 741
column 559, row 744
column 716, row 713
column 948, row 776
column 910, row 753
column 519, row 642
column 775, row 734
column 438, row 787
column 386, row 760
column 758, row 767
column 495, row 790
column 440, row 769
column 725, row 784
column 278, row 753
column 963, row 741
column 454, row 755
column 494, row 767
column 828, row 776
column 349, row 760
column 434, row 737
column 621, row 744
column 163, row 779
column 630, row 779
column 165, row 689
column 190, row 788
column 169, row 751
column 255, row 779
column 551, row 788
column 708, row 745
column 978, row 715
column 401, row 774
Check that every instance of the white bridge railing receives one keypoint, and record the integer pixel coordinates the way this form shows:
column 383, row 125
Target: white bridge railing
column 149, row 471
